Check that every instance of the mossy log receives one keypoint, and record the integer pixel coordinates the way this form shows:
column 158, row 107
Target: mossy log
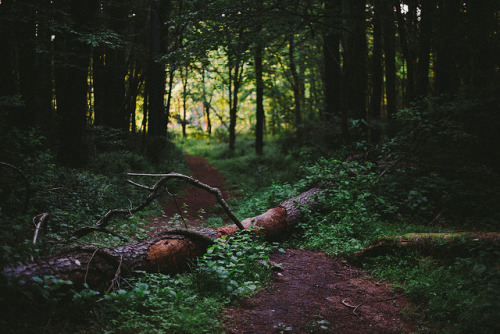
column 168, row 252
column 432, row 244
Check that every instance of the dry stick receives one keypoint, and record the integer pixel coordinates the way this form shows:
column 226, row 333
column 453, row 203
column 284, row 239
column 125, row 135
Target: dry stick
column 351, row 306
column 88, row 265
column 117, row 274
column 178, row 209
column 198, row 184
column 104, row 221
column 41, row 220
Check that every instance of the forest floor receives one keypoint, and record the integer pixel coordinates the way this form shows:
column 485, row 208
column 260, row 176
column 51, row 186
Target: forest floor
column 312, row 293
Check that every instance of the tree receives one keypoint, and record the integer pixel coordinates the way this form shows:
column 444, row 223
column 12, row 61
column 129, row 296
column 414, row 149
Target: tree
column 109, row 69
column 167, row 252
column 447, row 80
column 71, row 71
column 259, row 86
column 389, row 57
column 155, row 85
column 427, row 10
column 405, row 24
column 355, row 60
column 377, row 72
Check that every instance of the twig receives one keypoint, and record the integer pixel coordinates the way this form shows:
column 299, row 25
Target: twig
column 436, row 219
column 41, row 220
column 88, row 265
column 352, row 306
column 117, row 274
column 184, row 221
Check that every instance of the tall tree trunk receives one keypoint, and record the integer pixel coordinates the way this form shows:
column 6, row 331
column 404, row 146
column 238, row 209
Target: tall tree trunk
column 482, row 27
column 184, row 101
column 155, row 87
column 34, row 63
column 446, row 49
column 425, row 43
column 355, row 61
column 109, row 88
column 377, row 73
column 235, row 76
column 296, row 86
column 206, row 102
column 7, row 67
column 71, row 87
column 403, row 25
column 390, row 57
column 332, row 65
column 171, row 78
column 259, row 89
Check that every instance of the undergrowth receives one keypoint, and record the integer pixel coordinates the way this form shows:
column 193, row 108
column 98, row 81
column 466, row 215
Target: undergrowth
column 428, row 177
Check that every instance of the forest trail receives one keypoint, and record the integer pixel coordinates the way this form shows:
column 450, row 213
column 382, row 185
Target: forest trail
column 317, row 294
column 198, row 202
column 311, row 294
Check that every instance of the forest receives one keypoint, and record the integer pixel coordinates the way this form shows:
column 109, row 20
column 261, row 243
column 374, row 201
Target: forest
column 158, row 157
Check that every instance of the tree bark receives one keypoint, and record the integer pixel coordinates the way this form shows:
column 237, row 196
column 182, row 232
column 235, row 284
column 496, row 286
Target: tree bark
column 377, row 74
column 390, row 58
column 167, row 252
column 425, row 44
column 431, row 244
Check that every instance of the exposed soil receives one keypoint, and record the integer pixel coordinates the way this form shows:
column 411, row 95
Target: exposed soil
column 312, row 291
column 309, row 292
column 195, row 199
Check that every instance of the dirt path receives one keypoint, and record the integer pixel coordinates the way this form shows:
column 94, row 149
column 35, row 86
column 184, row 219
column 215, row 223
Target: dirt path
column 312, row 294
column 317, row 294
column 196, row 199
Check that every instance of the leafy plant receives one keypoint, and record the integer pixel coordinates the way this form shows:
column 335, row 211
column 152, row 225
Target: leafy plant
column 234, row 266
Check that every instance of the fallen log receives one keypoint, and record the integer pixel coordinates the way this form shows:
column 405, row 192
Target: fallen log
column 439, row 245
column 168, row 252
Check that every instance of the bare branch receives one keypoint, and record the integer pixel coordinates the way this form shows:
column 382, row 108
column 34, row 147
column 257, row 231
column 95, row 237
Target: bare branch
column 196, row 183
column 41, row 219
column 101, row 224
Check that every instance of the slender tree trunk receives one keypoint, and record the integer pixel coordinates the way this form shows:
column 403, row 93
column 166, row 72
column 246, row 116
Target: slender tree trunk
column 206, row 103
column 169, row 99
column 390, row 57
column 296, row 86
column 332, row 63
column 407, row 53
column 483, row 17
column 377, row 73
column 209, row 121
column 34, row 65
column 155, row 86
column 355, row 61
column 109, row 88
column 447, row 81
column 184, row 100
column 235, row 78
column 260, row 116
column 425, row 44
column 7, row 68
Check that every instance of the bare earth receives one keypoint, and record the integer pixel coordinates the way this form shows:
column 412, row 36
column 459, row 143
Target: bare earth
column 313, row 291
column 312, row 294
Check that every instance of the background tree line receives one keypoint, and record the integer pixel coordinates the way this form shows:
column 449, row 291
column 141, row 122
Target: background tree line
column 331, row 70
